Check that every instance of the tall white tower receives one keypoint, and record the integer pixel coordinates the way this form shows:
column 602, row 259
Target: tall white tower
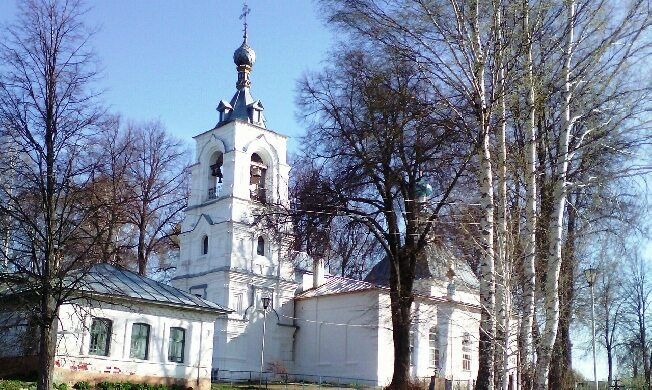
column 226, row 257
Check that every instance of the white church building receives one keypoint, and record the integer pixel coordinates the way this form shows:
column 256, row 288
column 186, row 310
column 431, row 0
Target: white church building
column 315, row 324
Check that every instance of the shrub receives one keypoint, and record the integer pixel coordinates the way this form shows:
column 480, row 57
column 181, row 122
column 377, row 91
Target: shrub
column 105, row 385
column 82, row 386
column 277, row 368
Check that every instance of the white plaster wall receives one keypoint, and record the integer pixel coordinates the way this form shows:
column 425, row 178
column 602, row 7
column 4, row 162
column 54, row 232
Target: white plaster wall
column 385, row 342
column 239, row 343
column 338, row 336
column 455, row 320
column 320, row 349
column 74, row 338
column 425, row 318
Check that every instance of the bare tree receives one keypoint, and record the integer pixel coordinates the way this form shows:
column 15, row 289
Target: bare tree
column 346, row 245
column 47, row 110
column 158, row 181
column 638, row 306
column 377, row 143
column 111, row 190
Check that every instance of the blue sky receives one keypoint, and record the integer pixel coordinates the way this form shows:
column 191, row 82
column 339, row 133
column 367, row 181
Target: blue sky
column 173, row 60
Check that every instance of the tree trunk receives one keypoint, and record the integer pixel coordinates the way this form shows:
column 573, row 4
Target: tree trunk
column 487, row 282
column 555, row 227
column 529, row 275
column 486, row 366
column 47, row 342
column 561, row 366
column 503, row 311
column 401, row 299
column 610, row 365
column 401, row 334
column 142, row 256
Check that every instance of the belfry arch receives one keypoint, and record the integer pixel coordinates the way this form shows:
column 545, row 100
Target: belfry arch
column 215, row 174
column 260, row 180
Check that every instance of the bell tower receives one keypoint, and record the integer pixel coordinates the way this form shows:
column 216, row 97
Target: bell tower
column 240, row 173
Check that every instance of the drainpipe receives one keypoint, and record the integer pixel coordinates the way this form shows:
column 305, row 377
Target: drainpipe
column 201, row 342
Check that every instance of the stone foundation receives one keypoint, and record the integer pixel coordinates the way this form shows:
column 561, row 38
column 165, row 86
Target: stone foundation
column 62, row 375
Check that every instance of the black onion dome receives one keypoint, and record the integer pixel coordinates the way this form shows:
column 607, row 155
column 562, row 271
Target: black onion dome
column 244, row 55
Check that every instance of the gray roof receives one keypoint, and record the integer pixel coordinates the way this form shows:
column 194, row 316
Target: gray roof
column 338, row 285
column 434, row 266
column 106, row 279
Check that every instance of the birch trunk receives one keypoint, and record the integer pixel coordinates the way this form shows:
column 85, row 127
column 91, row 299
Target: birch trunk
column 487, row 271
column 555, row 227
column 529, row 278
column 502, row 275
column 485, row 379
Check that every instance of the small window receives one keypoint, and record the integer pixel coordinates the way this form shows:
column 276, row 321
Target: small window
column 260, row 248
column 139, row 341
column 433, row 346
column 176, row 345
column 413, row 349
column 466, row 362
column 238, row 302
column 100, row 337
column 204, row 246
column 198, row 291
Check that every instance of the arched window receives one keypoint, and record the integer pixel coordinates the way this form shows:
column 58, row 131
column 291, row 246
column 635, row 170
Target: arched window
column 433, row 347
column 260, row 248
column 257, row 179
column 176, row 345
column 139, row 341
column 204, row 246
column 100, row 337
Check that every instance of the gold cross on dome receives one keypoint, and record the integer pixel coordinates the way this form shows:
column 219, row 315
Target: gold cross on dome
column 245, row 11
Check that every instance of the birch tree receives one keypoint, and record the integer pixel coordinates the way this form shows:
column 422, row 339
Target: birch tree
column 528, row 276
column 562, row 68
column 590, row 54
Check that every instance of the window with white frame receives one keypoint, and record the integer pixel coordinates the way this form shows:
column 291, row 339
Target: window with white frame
column 139, row 341
column 466, row 361
column 433, row 347
column 177, row 344
column 100, row 337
